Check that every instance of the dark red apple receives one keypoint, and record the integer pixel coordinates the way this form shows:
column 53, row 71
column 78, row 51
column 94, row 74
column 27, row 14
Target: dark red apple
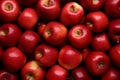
column 80, row 36
column 9, row 10
column 9, row 34
column 97, row 63
column 46, row 55
column 96, row 21
column 56, row 72
column 28, row 41
column 48, row 9
column 101, row 42
column 27, row 3
column 69, row 57
column 32, row 71
column 28, row 18
column 1, row 52
column 54, row 33
column 13, row 59
column 72, row 13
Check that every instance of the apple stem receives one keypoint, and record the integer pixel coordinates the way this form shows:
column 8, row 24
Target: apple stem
column 3, row 33
column 48, row 33
column 78, row 32
column 30, row 77
column 48, row 3
column 95, row 1
column 39, row 54
column 89, row 24
column 73, row 8
column 100, row 65
column 8, row 7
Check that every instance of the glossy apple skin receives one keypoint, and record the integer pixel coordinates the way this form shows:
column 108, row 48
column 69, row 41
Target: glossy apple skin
column 111, row 8
column 28, row 41
column 32, row 71
column 9, row 34
column 111, row 74
column 13, row 59
column 46, row 55
column 9, row 10
column 4, row 75
column 72, row 13
column 28, row 18
column 101, row 42
column 115, row 55
column 80, row 36
column 48, row 9
column 80, row 73
column 69, row 57
column 56, row 72
column 54, row 33
column 92, row 5
column 114, row 30
column 27, row 3
column 97, row 63
column 41, row 28
column 96, row 21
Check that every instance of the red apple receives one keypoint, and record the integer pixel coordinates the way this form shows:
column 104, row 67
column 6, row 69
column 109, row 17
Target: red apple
column 69, row 57
column 80, row 36
column 96, row 21
column 101, row 42
column 13, row 59
column 32, row 71
column 115, row 55
column 48, row 9
column 46, row 55
column 81, row 73
column 9, row 34
column 28, row 18
column 28, row 41
column 54, row 33
column 41, row 27
column 9, row 10
column 27, row 3
column 114, row 30
column 72, row 13
column 97, row 63
column 56, row 72
column 92, row 5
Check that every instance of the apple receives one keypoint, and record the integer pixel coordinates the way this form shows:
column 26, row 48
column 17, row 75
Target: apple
column 54, row 33
column 69, row 57
column 46, row 55
column 1, row 52
column 9, row 10
column 80, row 36
column 9, row 34
column 101, row 42
column 114, row 54
column 48, row 10
column 114, row 30
column 28, row 18
column 32, row 71
column 41, row 27
column 72, row 13
column 97, row 63
column 96, row 21
column 80, row 73
column 56, row 72
column 4, row 75
column 28, row 41
column 27, row 3
column 92, row 5
column 13, row 59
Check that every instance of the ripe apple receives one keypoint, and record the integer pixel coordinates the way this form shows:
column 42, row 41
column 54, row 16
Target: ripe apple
column 9, row 10
column 13, row 59
column 48, row 10
column 115, row 55
column 80, row 36
column 69, row 57
column 80, row 73
column 72, row 13
column 101, row 42
column 46, row 55
column 96, row 21
column 32, row 71
column 41, row 27
column 27, row 3
column 28, row 41
column 9, row 34
column 56, row 72
column 114, row 30
column 28, row 18
column 97, row 63
column 54, row 33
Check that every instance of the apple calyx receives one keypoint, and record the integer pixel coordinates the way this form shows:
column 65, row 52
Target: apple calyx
column 78, row 32
column 8, row 6
column 74, row 7
column 90, row 24
column 100, row 65
column 95, row 1
column 39, row 54
column 48, row 33
column 30, row 76
column 48, row 2
column 3, row 33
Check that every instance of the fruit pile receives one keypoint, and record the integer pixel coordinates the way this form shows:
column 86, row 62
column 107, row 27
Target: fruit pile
column 59, row 39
